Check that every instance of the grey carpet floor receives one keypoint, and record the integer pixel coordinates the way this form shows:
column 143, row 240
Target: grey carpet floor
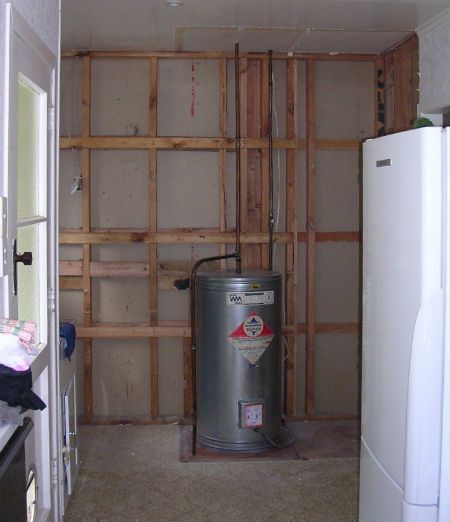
column 133, row 474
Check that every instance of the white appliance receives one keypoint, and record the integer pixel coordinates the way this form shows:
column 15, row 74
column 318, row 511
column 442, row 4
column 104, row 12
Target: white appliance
column 405, row 437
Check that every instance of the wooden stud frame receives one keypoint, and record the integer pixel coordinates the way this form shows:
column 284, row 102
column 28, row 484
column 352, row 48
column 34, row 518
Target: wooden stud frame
column 77, row 275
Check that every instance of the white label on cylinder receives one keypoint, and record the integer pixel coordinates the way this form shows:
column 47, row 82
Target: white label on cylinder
column 250, row 298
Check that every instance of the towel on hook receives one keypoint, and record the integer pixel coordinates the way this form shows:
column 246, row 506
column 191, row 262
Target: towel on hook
column 67, row 336
column 24, row 330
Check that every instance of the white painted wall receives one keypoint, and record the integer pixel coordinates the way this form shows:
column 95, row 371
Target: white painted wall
column 434, row 55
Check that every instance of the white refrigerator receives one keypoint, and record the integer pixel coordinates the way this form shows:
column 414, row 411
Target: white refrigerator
column 405, row 435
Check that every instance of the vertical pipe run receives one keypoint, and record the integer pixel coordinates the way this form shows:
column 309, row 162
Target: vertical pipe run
column 237, row 83
column 236, row 255
column 271, row 216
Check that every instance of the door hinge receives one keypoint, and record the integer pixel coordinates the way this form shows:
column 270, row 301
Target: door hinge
column 54, row 472
column 51, row 296
column 51, row 118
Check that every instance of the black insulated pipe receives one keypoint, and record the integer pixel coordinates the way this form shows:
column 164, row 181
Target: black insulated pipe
column 271, row 216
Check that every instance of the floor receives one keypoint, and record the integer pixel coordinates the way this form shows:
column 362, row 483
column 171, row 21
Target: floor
column 134, row 474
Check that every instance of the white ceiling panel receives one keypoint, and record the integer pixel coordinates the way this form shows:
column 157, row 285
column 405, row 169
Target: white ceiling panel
column 201, row 24
column 251, row 39
column 331, row 41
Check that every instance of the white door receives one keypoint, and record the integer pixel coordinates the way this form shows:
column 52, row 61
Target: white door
column 30, row 285
column 31, row 102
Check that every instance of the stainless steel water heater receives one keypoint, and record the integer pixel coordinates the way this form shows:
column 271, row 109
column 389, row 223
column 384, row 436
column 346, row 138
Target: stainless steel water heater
column 238, row 359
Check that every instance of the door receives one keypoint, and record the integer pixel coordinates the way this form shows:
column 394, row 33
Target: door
column 30, row 246
column 31, row 102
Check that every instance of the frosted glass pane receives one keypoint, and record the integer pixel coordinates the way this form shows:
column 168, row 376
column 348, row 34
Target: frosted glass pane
column 28, row 288
column 27, row 152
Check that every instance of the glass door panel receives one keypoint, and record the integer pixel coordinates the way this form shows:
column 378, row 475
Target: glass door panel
column 31, row 164
column 29, row 151
column 31, row 281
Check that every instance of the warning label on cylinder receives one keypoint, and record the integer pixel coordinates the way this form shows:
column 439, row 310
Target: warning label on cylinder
column 252, row 337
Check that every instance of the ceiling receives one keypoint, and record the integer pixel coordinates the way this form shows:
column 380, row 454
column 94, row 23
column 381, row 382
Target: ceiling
column 337, row 26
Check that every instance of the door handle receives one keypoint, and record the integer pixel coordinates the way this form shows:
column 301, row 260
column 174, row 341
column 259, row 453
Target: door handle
column 26, row 258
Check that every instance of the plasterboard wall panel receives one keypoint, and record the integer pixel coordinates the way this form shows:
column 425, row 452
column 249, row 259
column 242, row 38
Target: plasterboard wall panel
column 279, row 99
column 188, row 189
column 337, row 282
column 337, row 374
column 69, row 203
column 301, row 375
column 119, row 97
column 279, row 190
column 231, row 95
column 121, row 385
column 71, row 97
column 119, row 189
column 186, row 252
column 301, row 190
column 170, row 376
column 301, row 283
column 173, row 305
column 301, row 99
column 230, row 208
column 71, row 306
column 344, row 100
column 190, row 105
column 120, row 300
column 338, row 190
column 71, row 252
column 117, row 253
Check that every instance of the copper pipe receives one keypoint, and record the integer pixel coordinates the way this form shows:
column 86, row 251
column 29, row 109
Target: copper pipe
column 237, row 88
column 271, row 216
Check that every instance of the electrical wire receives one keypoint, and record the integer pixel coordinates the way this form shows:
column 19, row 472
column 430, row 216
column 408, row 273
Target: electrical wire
column 278, row 205
column 284, row 445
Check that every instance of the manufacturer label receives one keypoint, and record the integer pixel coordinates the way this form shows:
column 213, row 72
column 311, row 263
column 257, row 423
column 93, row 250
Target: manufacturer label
column 250, row 298
column 384, row 163
column 251, row 338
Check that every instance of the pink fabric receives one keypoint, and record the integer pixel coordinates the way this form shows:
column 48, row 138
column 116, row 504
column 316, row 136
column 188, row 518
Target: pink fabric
column 24, row 330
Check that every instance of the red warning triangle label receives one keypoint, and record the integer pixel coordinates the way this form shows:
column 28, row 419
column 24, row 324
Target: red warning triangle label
column 253, row 326
column 252, row 337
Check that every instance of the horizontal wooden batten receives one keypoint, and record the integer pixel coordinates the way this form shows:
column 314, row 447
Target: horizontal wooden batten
column 182, row 329
column 128, row 331
column 71, row 236
column 188, row 143
column 137, row 421
column 333, row 237
column 71, row 283
column 330, row 328
column 70, row 272
column 202, row 236
column 215, row 55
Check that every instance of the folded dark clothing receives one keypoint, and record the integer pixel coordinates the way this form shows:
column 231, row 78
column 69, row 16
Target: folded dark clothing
column 15, row 389
column 68, row 333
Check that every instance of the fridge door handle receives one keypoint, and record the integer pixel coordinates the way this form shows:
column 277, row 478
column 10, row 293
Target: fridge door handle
column 424, row 404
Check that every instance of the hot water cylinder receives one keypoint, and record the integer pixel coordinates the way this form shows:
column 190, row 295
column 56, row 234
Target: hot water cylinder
column 238, row 359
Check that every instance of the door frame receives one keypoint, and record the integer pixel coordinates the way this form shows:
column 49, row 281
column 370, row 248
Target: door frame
column 48, row 364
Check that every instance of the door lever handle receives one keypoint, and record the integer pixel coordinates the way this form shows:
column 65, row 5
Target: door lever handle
column 26, row 258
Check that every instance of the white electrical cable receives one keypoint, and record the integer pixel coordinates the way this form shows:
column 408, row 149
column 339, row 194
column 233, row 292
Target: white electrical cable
column 77, row 183
column 278, row 205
